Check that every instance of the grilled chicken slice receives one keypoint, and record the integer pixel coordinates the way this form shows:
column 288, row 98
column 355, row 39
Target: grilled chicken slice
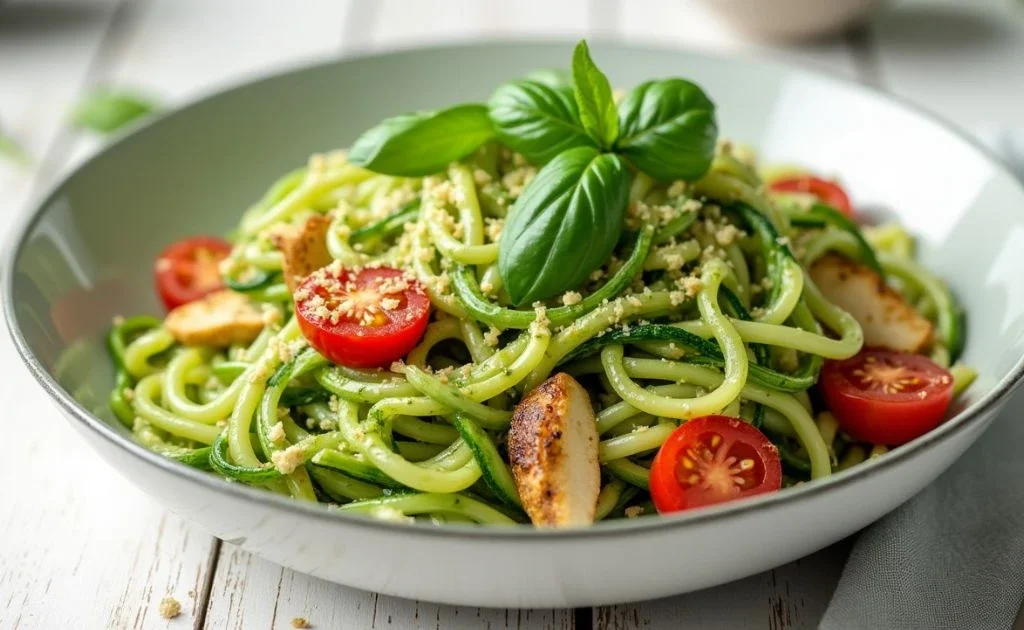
column 552, row 445
column 303, row 248
column 888, row 321
column 220, row 319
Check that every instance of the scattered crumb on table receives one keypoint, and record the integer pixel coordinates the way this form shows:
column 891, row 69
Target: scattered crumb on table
column 300, row 622
column 169, row 608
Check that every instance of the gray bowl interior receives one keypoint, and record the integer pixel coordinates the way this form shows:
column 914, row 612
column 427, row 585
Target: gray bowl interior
column 86, row 255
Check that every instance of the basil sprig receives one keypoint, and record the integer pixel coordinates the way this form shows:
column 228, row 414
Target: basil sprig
column 415, row 145
column 569, row 218
column 564, row 225
column 107, row 110
column 667, row 129
column 11, row 150
column 567, row 221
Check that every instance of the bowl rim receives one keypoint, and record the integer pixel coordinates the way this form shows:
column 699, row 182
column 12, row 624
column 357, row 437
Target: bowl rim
column 32, row 213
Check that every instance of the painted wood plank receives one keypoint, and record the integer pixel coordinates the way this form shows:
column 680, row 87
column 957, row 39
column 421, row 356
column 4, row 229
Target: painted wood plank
column 793, row 596
column 182, row 49
column 691, row 24
column 963, row 60
column 402, row 23
column 249, row 592
column 46, row 49
column 176, row 51
column 683, row 23
column 79, row 546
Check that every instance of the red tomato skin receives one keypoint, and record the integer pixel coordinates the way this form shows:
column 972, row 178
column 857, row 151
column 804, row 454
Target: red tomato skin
column 829, row 192
column 350, row 344
column 667, row 492
column 886, row 418
column 176, row 265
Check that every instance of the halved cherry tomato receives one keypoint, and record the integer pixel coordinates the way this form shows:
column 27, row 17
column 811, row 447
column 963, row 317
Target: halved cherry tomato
column 362, row 318
column 189, row 269
column 886, row 397
column 828, row 192
column 713, row 459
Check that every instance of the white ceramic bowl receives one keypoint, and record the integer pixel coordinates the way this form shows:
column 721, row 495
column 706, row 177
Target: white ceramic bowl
column 86, row 250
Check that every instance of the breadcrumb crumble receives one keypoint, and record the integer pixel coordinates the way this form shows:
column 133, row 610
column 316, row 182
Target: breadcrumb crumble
column 277, row 433
column 288, row 460
column 491, row 336
column 169, row 608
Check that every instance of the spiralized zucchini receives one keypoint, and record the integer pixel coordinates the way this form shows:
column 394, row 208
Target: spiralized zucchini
column 704, row 308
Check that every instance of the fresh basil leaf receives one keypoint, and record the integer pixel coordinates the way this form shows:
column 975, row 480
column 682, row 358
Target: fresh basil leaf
column 106, row 111
column 11, row 150
column 565, row 224
column 551, row 77
column 537, row 120
column 667, row 129
column 414, row 145
column 594, row 98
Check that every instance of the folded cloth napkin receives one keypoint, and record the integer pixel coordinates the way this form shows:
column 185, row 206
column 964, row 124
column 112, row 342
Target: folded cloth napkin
column 953, row 556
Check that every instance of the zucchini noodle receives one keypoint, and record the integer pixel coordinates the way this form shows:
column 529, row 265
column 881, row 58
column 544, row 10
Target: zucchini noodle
column 705, row 307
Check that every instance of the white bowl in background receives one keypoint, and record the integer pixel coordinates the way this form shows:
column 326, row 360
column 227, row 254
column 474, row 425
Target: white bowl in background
column 793, row 19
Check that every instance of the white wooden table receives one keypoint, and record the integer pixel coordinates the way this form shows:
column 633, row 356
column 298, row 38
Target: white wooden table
column 80, row 547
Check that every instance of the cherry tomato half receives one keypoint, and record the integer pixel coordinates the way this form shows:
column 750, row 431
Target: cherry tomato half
column 828, row 192
column 886, row 397
column 362, row 318
column 189, row 269
column 713, row 459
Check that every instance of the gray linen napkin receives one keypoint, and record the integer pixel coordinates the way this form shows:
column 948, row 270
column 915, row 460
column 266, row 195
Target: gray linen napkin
column 953, row 556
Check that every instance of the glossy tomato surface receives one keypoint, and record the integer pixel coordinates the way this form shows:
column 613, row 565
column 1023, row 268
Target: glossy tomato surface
column 828, row 192
column 710, row 460
column 189, row 269
column 886, row 397
column 362, row 318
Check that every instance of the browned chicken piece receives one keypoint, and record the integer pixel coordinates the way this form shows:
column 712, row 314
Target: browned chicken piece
column 303, row 248
column 886, row 318
column 220, row 319
column 552, row 446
